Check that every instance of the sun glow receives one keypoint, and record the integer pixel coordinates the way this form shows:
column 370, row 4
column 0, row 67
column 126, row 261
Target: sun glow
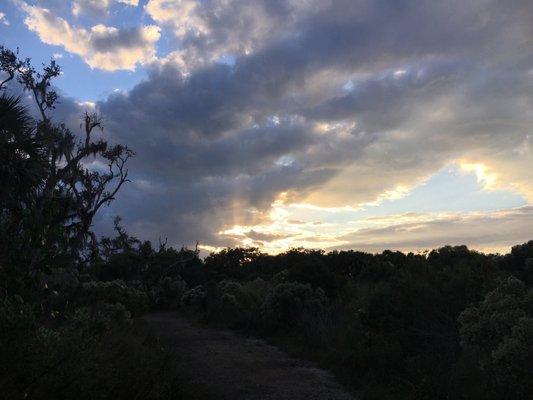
column 291, row 223
column 484, row 175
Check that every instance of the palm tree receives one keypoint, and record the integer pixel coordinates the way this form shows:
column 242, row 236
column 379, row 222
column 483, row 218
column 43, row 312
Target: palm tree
column 23, row 165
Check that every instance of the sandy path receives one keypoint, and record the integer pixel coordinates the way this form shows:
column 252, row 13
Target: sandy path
column 221, row 365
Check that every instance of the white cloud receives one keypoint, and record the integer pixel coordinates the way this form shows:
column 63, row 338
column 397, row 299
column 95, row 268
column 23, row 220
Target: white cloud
column 93, row 7
column 97, row 8
column 133, row 3
column 101, row 46
column 183, row 15
column 490, row 231
column 207, row 31
column 3, row 19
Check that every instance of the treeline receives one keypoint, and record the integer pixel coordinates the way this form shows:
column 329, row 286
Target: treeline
column 449, row 324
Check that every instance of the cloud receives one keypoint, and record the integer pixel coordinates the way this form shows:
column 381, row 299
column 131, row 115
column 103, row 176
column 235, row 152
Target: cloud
column 208, row 31
column 337, row 104
column 3, row 19
column 182, row 15
column 489, row 231
column 90, row 7
column 495, row 231
column 102, row 47
column 97, row 8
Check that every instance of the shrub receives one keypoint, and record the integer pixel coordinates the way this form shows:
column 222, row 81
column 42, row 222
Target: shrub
column 239, row 304
column 252, row 295
column 96, row 292
column 229, row 287
column 315, row 272
column 15, row 317
column 284, row 305
column 168, row 293
column 97, row 320
column 17, row 323
column 90, row 355
column 195, row 296
column 496, row 335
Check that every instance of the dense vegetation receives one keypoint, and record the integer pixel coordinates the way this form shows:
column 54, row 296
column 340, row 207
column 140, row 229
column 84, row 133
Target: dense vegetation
column 449, row 324
column 63, row 334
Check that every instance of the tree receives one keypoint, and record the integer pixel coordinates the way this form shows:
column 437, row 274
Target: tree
column 51, row 195
column 498, row 334
column 23, row 163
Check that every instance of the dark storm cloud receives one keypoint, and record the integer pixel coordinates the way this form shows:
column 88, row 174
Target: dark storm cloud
column 347, row 35
column 226, row 139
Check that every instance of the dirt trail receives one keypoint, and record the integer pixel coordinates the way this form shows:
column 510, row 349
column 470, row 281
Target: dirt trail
column 225, row 365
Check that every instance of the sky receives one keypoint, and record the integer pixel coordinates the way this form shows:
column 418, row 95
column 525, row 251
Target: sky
column 334, row 124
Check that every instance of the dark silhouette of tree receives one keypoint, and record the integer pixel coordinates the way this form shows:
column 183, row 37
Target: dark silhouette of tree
column 50, row 194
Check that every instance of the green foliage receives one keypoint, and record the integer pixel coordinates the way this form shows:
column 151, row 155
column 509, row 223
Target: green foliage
column 23, row 160
column 287, row 302
column 238, row 305
column 252, row 294
column 89, row 355
column 315, row 272
column 49, row 196
column 62, row 334
column 17, row 320
column 195, row 296
column 230, row 263
column 95, row 293
column 168, row 293
column 498, row 334
column 520, row 262
column 389, row 325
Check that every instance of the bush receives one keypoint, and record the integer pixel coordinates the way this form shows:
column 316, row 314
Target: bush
column 97, row 320
column 497, row 336
column 284, row 305
column 252, row 295
column 316, row 273
column 95, row 293
column 237, row 305
column 195, row 296
column 229, row 287
column 91, row 355
column 168, row 293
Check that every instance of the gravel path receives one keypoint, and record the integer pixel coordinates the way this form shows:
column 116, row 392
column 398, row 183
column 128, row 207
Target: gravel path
column 222, row 365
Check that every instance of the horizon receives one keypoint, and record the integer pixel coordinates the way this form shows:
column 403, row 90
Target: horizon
column 313, row 124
